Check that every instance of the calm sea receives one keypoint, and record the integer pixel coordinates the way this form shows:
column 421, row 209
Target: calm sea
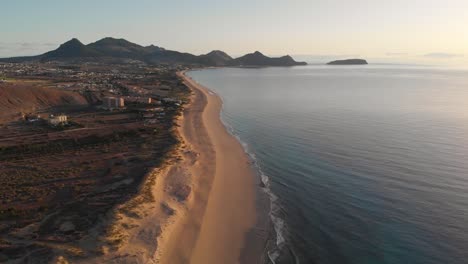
column 365, row 164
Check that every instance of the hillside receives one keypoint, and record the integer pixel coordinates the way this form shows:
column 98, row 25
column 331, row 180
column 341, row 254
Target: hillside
column 215, row 58
column 258, row 59
column 25, row 97
column 121, row 50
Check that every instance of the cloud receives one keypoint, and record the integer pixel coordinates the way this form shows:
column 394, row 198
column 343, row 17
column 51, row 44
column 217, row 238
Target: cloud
column 396, row 54
column 442, row 55
column 24, row 44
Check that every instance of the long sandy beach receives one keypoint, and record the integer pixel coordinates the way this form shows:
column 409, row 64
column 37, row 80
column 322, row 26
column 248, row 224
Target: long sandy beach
column 222, row 207
column 217, row 222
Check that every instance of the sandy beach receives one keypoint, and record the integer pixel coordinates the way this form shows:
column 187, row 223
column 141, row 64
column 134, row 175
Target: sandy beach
column 222, row 207
column 205, row 198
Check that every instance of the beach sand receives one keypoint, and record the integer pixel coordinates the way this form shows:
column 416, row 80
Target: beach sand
column 217, row 222
column 222, row 209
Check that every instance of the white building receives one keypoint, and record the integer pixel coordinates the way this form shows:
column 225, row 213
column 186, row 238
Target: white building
column 113, row 102
column 57, row 120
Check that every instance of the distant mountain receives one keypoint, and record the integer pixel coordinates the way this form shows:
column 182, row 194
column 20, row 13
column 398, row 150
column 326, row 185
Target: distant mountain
column 258, row 59
column 348, row 62
column 171, row 57
column 215, row 58
column 71, row 49
column 121, row 50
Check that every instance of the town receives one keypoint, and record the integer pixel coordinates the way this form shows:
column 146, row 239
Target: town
column 78, row 138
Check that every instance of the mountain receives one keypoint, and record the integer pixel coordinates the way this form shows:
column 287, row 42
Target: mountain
column 70, row 49
column 258, row 59
column 348, row 62
column 153, row 48
column 215, row 58
column 171, row 57
column 121, row 50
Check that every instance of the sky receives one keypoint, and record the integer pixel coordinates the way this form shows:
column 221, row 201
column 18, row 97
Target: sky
column 421, row 31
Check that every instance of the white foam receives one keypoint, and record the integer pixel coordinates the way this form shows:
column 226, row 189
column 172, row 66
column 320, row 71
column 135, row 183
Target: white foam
column 279, row 224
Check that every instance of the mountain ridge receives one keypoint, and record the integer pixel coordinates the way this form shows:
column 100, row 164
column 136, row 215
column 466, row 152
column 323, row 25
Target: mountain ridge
column 109, row 48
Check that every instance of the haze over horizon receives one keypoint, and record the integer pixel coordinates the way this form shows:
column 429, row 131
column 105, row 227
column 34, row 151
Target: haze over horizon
column 426, row 32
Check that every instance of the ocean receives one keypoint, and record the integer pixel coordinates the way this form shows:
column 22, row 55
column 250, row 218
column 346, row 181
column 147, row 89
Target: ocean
column 363, row 164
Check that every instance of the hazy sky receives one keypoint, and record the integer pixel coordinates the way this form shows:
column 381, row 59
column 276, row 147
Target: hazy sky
column 422, row 30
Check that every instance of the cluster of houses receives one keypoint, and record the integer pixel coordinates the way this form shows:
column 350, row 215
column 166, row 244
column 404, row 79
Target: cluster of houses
column 53, row 120
column 150, row 110
column 118, row 102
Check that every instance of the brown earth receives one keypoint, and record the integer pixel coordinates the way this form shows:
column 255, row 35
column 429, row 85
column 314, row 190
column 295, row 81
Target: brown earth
column 22, row 96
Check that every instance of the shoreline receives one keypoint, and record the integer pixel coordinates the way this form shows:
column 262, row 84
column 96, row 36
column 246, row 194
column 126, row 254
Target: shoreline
column 227, row 231
column 261, row 238
column 223, row 218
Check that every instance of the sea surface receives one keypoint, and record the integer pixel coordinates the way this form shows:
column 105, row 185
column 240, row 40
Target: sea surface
column 364, row 164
